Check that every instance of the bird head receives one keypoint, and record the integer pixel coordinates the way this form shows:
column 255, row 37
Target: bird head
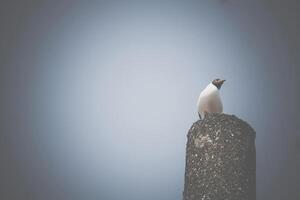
column 218, row 83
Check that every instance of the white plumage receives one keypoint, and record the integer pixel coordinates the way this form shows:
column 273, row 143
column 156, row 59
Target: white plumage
column 209, row 101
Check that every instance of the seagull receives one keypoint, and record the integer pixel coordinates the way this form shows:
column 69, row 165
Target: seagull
column 209, row 100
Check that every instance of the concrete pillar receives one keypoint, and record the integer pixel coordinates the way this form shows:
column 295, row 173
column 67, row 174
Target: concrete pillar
column 220, row 160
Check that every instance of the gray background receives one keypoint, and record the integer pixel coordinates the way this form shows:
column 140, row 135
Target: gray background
column 97, row 96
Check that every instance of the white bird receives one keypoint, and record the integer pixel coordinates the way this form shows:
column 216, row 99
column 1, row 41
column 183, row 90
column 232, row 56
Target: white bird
column 209, row 100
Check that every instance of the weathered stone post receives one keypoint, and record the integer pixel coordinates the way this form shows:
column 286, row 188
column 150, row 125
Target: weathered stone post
column 220, row 160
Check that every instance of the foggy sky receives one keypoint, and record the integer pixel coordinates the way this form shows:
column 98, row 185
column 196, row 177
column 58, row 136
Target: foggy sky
column 97, row 97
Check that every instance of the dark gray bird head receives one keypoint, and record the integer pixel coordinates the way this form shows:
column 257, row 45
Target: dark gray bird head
column 218, row 83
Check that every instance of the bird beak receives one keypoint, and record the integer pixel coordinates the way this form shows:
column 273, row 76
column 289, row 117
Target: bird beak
column 222, row 81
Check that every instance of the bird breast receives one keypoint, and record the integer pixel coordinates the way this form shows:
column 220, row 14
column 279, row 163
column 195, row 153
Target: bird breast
column 209, row 101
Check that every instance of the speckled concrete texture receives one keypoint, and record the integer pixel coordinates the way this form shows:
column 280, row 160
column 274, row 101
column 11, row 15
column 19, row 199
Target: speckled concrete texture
column 220, row 160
